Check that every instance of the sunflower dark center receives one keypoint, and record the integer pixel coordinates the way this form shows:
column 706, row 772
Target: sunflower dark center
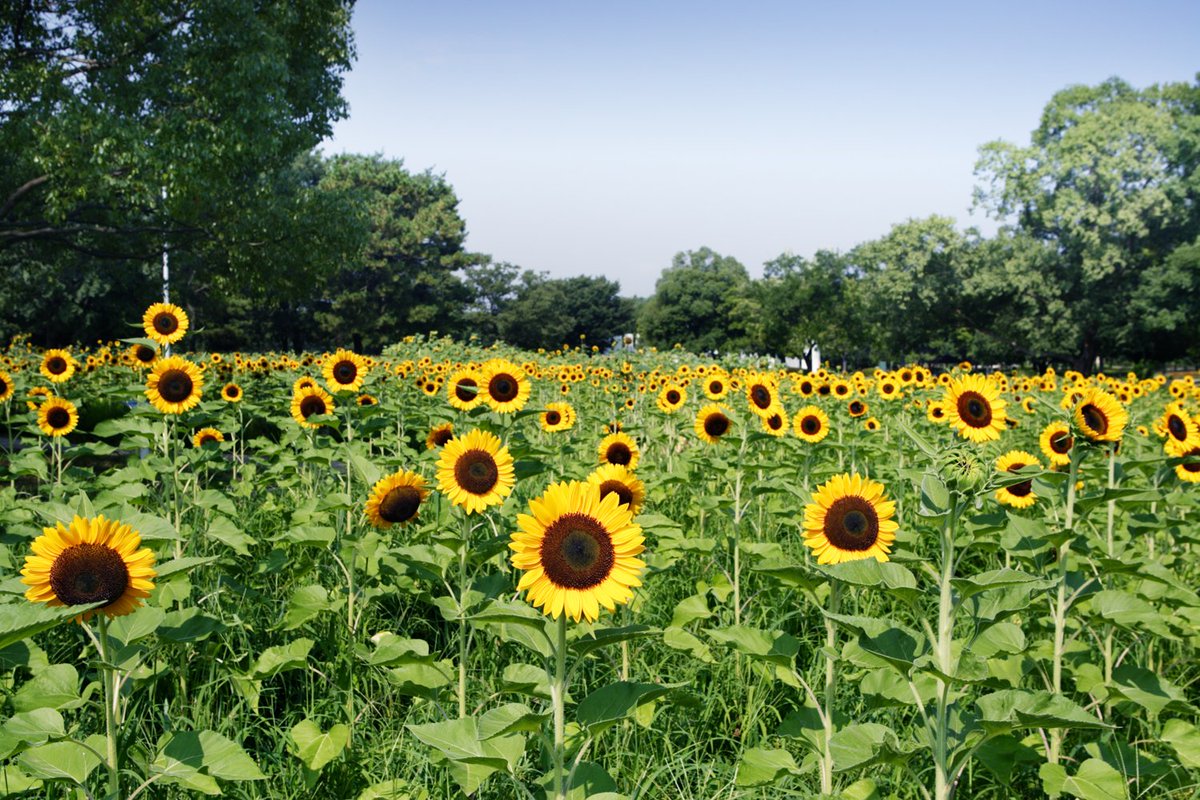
column 3, row 386
column 761, row 396
column 939, row 412
column 440, row 437
column 577, row 552
column 345, row 371
column 366, row 400
column 974, row 409
column 715, row 387
column 806, row 388
column 852, row 524
column 89, row 573
column 312, row 406
column 175, row 386
column 400, row 504
column 810, row 425
column 1023, row 488
column 856, row 407
column 1192, row 465
column 672, row 397
column 1095, row 419
column 888, row 388
column 58, row 417
column 824, row 390
column 476, row 471
column 553, row 417
column 618, row 453
column 623, row 492
column 466, row 389
column 841, row 391
column 716, row 425
column 166, row 323
column 1174, row 424
column 503, row 387
column 1061, row 442
column 56, row 365
column 775, row 422
column 144, row 354
column 232, row 392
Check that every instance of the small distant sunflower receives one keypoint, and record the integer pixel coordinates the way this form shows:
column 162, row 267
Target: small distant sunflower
column 671, row 398
column 888, row 388
column 614, row 478
column 1018, row 495
column 173, row 385
column 7, row 387
column 871, row 424
column 716, row 386
column 1189, row 470
column 92, row 561
column 1100, row 417
column 367, row 400
column 557, row 417
column 439, row 435
column 311, row 401
column 857, row 408
column 761, row 394
column 33, row 403
column 713, row 423
column 345, row 371
column 303, row 382
column 475, row 471
column 839, row 388
column 506, row 386
column 231, row 393
column 619, row 448
column 1027, row 404
column 848, row 519
column 1056, row 442
column 811, row 424
column 775, row 423
column 396, row 499
column 1182, row 430
column 206, row 436
column 578, row 552
column 57, row 416
column 463, row 389
column 142, row 355
column 165, row 323
column 936, row 412
column 58, row 366
column 975, row 409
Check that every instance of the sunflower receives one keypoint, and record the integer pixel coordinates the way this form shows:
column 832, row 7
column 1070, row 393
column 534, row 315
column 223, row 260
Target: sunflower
column 1018, row 495
column 58, row 366
column 888, row 388
column 1027, row 404
column 6, row 386
column 615, row 479
column 871, row 424
column 311, row 401
column 974, row 408
column 93, row 561
column 1189, row 470
column 165, row 323
column 578, row 551
column 475, row 471
column 1056, row 442
column 761, row 394
column 173, row 385
column 506, row 386
column 1181, row 429
column 775, row 423
column 439, row 435
column 671, row 398
column 619, row 448
column 57, row 416
column 463, row 389
column 396, row 499
column 848, row 519
column 713, row 422
column 367, row 400
column 303, row 382
column 142, row 355
column 33, row 403
column 1100, row 417
column 557, row 417
column 344, row 371
column 857, row 408
column 811, row 424
column 936, row 412
column 207, row 436
column 716, row 386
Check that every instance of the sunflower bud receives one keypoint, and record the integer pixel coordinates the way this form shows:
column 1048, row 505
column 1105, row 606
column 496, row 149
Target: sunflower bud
column 962, row 469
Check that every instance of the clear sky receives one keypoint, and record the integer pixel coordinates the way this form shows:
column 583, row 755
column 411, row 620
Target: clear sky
column 600, row 138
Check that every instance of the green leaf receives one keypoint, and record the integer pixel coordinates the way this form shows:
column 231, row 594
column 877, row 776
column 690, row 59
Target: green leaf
column 1184, row 739
column 525, row 679
column 935, row 497
column 508, row 719
column 457, row 740
column 227, row 533
column 1009, row 709
column 56, row 686
column 394, row 789
column 367, row 472
column 679, row 639
column 774, row 647
column 1096, row 780
column 421, row 680
column 141, row 623
column 183, row 565
column 689, row 610
column 188, row 625
column 22, row 619
column 13, row 781
column 392, row 650
column 609, row 704
column 58, row 761
column 1148, row 689
column 760, row 766
column 306, row 603
column 316, row 748
column 35, row 727
column 212, row 753
column 610, row 636
column 998, row 579
column 895, row 644
column 274, row 660
column 858, row 746
column 894, row 578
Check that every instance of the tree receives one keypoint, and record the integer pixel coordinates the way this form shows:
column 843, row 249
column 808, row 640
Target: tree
column 1110, row 180
column 552, row 312
column 702, row 301
column 808, row 303
column 492, row 286
column 1166, row 306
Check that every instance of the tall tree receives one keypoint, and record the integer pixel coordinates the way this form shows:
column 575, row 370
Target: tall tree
column 552, row 312
column 703, row 301
column 807, row 303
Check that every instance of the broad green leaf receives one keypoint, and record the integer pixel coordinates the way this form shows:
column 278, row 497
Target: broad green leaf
column 141, row 623
column 525, row 679
column 774, row 647
column 182, row 565
column 1096, row 780
column 457, row 740
column 281, row 658
column 610, row 704
column 213, row 754
column 421, row 680
column 860, row 745
column 895, row 644
column 1148, row 689
column 188, row 625
column 227, row 533
column 23, row 619
column 1014, row 708
column 760, row 766
column 395, row 789
column 35, row 727
column 689, row 610
column 58, row 761
column 392, row 650
column 14, row 781
column 679, row 639
column 1003, row 637
column 306, row 603
column 609, row 636
column 315, row 747
column 57, row 686
column 510, row 718
column 1184, row 739
column 998, row 579
column 893, row 578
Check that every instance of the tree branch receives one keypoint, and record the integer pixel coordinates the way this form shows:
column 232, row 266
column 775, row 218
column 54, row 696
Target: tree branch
column 24, row 188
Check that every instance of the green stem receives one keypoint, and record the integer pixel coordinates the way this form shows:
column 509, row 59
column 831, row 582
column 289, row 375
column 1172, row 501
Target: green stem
column 830, row 687
column 464, row 546
column 110, row 706
column 557, row 693
column 943, row 787
column 1108, row 633
column 1060, row 604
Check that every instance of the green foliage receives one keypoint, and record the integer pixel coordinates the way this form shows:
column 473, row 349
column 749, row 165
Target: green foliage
column 703, row 301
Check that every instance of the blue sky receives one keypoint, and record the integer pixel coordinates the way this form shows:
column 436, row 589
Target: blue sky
column 602, row 138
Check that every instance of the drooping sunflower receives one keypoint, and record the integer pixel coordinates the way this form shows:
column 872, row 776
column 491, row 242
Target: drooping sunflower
column 1099, row 417
column 311, row 401
column 57, row 416
column 713, row 423
column 557, row 417
column 396, row 499
column 506, row 386
column 475, row 471
column 1056, row 442
column 344, row 371
column 1189, row 470
column 1182, row 430
column 619, row 448
column 671, row 398
column 975, row 409
column 232, row 393
column 1018, row 495
column 165, row 323
column 811, row 424
column 775, row 423
column 439, row 435
column 206, row 436
column 614, row 478
column 857, row 408
column 848, row 519
column 174, row 385
column 58, row 365
column 578, row 552
column 7, row 387
column 761, row 393
column 464, row 389
column 95, row 560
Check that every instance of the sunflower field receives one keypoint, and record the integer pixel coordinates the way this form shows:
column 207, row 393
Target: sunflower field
column 451, row 571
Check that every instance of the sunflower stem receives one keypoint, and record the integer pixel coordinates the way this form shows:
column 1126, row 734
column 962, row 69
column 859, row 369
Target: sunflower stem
column 110, row 705
column 943, row 786
column 830, row 688
column 1060, row 606
column 1112, row 484
column 463, row 547
column 557, row 692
